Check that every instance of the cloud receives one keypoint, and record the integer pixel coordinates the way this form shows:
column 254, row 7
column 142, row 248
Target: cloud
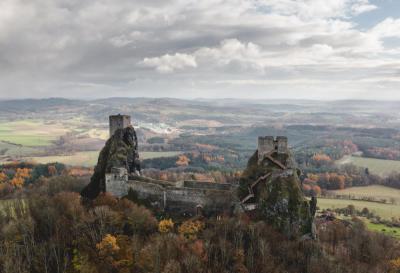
column 387, row 28
column 362, row 6
column 170, row 63
column 92, row 48
column 311, row 9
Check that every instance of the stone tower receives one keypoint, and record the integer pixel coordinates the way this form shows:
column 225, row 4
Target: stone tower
column 119, row 122
column 268, row 145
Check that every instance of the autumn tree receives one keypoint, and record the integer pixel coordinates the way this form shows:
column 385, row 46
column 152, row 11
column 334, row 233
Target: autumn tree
column 165, row 226
column 189, row 229
column 395, row 265
column 183, row 160
column 20, row 176
column 3, row 177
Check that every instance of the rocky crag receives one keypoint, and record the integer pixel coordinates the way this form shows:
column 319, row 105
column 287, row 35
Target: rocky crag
column 120, row 151
column 270, row 190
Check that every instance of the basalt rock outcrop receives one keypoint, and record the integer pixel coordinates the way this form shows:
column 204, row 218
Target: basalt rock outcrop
column 270, row 190
column 120, row 151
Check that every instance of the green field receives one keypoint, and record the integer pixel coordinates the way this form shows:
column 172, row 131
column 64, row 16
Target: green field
column 386, row 211
column 30, row 133
column 391, row 231
column 376, row 191
column 89, row 159
column 376, row 166
column 381, row 228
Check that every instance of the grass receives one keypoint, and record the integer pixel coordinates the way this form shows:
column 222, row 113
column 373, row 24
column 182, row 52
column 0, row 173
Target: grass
column 9, row 204
column 386, row 211
column 89, row 159
column 31, row 133
column 376, row 191
column 381, row 228
column 150, row 155
column 391, row 231
column 85, row 159
column 16, row 150
column 376, row 166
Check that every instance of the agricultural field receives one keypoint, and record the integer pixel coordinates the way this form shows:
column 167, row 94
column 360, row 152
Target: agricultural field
column 377, row 192
column 381, row 228
column 391, row 231
column 386, row 211
column 30, row 133
column 89, row 158
column 380, row 167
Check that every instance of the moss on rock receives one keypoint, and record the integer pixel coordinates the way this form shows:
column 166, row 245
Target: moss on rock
column 279, row 198
column 120, row 151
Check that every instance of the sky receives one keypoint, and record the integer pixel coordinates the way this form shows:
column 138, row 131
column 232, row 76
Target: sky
column 252, row 49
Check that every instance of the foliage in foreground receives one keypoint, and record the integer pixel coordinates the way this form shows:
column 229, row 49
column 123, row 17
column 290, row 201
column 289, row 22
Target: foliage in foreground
column 51, row 231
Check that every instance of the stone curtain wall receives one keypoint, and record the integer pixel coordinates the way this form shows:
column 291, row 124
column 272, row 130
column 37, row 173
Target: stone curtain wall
column 182, row 199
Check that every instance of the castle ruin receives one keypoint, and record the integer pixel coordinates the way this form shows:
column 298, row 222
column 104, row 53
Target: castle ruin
column 267, row 145
column 118, row 122
column 188, row 196
column 116, row 181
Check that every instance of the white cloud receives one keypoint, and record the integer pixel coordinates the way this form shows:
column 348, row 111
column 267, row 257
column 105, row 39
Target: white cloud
column 311, row 9
column 388, row 28
column 170, row 63
column 114, row 45
column 362, row 6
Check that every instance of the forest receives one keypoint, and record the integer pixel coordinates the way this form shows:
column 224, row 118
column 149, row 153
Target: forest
column 52, row 230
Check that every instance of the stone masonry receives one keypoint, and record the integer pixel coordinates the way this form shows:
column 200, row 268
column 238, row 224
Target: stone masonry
column 119, row 122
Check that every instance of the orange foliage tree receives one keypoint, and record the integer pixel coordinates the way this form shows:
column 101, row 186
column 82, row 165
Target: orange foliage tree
column 20, row 177
column 395, row 265
column 183, row 160
column 321, row 157
column 3, row 177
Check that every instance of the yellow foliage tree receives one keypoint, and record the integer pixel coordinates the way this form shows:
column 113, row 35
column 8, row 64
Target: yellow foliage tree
column 108, row 245
column 395, row 265
column 115, row 253
column 165, row 226
column 190, row 229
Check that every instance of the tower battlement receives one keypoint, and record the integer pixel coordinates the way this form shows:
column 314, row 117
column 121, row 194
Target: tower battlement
column 118, row 122
column 267, row 145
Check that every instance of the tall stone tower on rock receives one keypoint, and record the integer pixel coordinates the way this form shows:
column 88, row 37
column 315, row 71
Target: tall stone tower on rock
column 119, row 122
column 120, row 152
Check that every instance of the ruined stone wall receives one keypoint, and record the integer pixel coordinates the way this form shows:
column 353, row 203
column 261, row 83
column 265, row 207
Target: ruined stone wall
column 116, row 181
column 183, row 199
column 207, row 185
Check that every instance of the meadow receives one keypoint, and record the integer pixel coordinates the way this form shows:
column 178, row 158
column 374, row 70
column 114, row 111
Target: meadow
column 30, row 133
column 377, row 192
column 391, row 231
column 386, row 211
column 89, row 158
column 380, row 167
